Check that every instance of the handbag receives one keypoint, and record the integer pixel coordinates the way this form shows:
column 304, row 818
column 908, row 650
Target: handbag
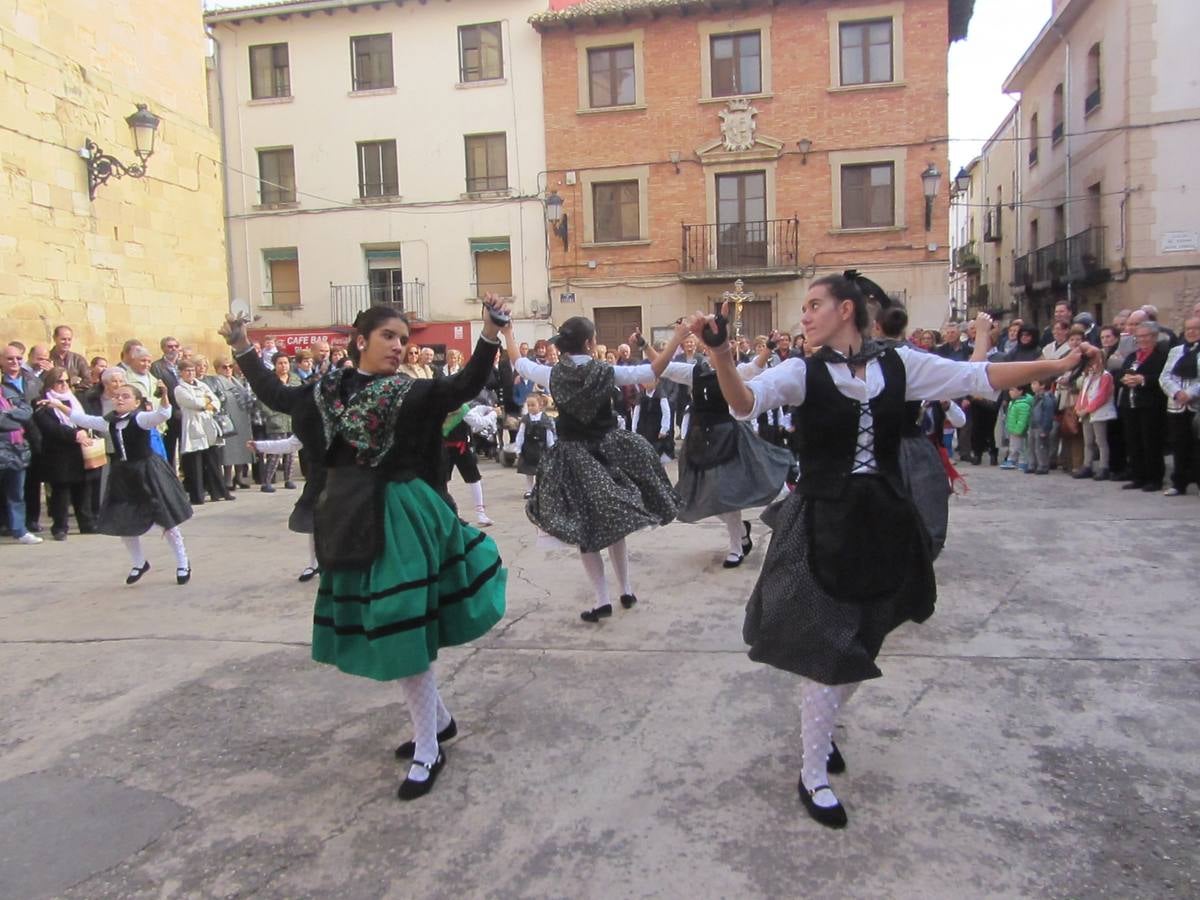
column 95, row 454
column 348, row 519
column 225, row 424
column 1069, row 424
column 708, row 446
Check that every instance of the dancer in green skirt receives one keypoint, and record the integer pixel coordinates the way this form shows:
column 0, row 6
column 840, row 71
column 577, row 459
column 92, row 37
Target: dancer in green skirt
column 401, row 574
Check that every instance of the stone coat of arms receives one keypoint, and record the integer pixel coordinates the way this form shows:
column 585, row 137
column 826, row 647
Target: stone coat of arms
column 737, row 125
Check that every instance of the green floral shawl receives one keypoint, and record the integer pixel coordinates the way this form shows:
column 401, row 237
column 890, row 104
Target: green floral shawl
column 367, row 421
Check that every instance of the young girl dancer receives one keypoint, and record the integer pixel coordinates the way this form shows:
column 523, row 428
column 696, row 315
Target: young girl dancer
column 534, row 437
column 597, row 484
column 142, row 489
column 724, row 467
column 401, row 575
column 847, row 561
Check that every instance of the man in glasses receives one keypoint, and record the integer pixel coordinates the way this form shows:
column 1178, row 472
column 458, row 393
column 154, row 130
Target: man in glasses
column 166, row 370
column 78, row 372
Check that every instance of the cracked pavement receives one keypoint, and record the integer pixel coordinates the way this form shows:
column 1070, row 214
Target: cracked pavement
column 1036, row 737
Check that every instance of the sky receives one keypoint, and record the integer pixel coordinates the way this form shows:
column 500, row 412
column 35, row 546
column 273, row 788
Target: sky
column 999, row 34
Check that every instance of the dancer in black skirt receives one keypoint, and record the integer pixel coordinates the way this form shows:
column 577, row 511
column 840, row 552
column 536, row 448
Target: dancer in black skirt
column 724, row 467
column 142, row 490
column 597, row 484
column 848, row 561
column 534, row 437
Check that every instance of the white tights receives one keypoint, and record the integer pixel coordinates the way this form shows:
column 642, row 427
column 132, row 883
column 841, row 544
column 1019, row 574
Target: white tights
column 733, row 524
column 312, row 551
column 593, row 564
column 429, row 715
column 819, row 706
column 173, row 536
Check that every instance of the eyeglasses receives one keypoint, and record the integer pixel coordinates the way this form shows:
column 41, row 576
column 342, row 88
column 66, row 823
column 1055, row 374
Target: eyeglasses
column 172, row 346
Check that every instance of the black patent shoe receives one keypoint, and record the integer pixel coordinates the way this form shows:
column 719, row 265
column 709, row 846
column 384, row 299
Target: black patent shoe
column 183, row 576
column 411, row 790
column 309, row 573
column 595, row 615
column 747, row 543
column 732, row 561
column 135, row 575
column 408, row 748
column 836, row 763
column 627, row 600
column 829, row 816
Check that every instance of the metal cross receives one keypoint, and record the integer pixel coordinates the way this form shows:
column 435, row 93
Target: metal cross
column 737, row 297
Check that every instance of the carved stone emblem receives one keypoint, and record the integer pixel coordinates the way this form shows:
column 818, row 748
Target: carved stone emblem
column 737, row 125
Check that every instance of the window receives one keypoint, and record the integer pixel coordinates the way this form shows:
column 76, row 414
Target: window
column 741, row 220
column 611, row 77
column 866, row 52
column 617, row 212
column 1033, row 140
column 277, row 176
column 493, row 266
column 269, row 72
column 1056, row 132
column 282, row 288
column 1060, row 222
column 1093, row 80
column 377, row 169
column 487, row 163
column 868, row 198
column 386, row 286
column 1095, row 208
column 371, row 62
column 480, row 52
column 736, row 61
column 1033, row 235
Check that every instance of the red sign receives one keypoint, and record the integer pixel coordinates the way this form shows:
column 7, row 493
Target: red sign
column 290, row 341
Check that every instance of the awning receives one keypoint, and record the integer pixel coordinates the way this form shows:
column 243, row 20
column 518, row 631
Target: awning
column 496, row 246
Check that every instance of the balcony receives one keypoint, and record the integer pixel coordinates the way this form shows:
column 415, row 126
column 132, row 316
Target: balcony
column 346, row 301
column 1056, row 134
column 1078, row 259
column 965, row 258
column 1092, row 101
column 746, row 250
column 991, row 226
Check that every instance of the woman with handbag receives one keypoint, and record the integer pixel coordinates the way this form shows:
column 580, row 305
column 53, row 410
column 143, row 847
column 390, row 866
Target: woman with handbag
column 61, row 460
column 848, row 561
column 142, row 488
column 383, row 523
column 724, row 467
column 597, row 484
column 199, row 436
column 233, row 421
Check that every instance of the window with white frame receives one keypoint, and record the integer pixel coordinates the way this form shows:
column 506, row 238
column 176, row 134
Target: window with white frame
column 377, row 169
column 371, row 62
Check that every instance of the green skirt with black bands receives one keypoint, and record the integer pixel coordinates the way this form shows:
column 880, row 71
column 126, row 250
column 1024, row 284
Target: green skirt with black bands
column 437, row 583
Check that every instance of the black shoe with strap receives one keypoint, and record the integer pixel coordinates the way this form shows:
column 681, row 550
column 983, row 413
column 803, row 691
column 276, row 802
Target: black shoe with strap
column 595, row 615
column 836, row 763
column 135, row 574
column 627, row 600
column 183, row 574
column 747, row 543
column 829, row 816
column 409, row 748
column 411, row 790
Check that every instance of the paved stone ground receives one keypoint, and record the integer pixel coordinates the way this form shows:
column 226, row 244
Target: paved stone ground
column 1037, row 737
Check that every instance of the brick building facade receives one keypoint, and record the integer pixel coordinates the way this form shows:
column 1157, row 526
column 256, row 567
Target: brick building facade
column 692, row 144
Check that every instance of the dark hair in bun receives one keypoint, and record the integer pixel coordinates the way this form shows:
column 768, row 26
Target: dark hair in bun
column 574, row 334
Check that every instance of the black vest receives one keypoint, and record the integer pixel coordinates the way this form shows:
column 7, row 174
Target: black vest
column 827, row 433
column 650, row 418
column 133, row 437
column 535, row 434
column 709, row 405
column 569, row 428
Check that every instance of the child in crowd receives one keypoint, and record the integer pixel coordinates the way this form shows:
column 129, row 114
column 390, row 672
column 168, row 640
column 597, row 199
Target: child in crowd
column 534, row 436
column 1041, row 422
column 1020, row 408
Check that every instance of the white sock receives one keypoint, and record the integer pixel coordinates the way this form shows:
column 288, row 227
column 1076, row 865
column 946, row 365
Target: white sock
column 421, row 694
column 530, row 481
column 819, row 705
column 136, row 555
column 618, row 555
column 477, row 493
column 593, row 564
column 175, row 538
column 733, row 524
column 312, row 552
column 443, row 714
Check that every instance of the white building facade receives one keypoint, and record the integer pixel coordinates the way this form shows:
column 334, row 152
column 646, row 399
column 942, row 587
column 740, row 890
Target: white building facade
column 383, row 153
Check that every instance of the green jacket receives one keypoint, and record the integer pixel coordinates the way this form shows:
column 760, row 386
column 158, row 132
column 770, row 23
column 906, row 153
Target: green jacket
column 1019, row 411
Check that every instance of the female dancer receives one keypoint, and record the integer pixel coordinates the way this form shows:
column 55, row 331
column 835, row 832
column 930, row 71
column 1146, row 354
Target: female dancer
column 724, row 467
column 847, row 561
column 534, row 437
column 597, row 484
column 142, row 489
column 401, row 576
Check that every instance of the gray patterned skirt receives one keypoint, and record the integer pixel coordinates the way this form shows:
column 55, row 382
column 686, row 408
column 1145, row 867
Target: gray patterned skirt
column 590, row 494
column 754, row 477
column 838, row 577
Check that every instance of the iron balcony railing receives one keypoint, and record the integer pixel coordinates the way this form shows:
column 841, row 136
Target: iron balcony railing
column 965, row 258
column 1078, row 258
column 741, row 247
column 346, row 301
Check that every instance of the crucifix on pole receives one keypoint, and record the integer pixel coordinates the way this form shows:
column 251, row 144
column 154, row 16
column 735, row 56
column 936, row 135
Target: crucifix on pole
column 737, row 297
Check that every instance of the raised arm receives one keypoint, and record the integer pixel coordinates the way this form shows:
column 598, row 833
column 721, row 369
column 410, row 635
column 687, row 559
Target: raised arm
column 983, row 338
column 662, row 360
column 741, row 398
column 451, row 391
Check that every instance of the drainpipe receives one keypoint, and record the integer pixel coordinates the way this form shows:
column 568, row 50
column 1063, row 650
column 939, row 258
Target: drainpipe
column 1067, row 134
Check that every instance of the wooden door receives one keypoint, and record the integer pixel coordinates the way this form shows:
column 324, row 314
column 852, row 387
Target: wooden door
column 742, row 220
column 615, row 324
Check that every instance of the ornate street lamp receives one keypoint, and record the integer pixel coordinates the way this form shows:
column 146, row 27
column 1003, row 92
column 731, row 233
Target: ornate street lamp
column 102, row 166
column 556, row 218
column 931, row 180
column 962, row 181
